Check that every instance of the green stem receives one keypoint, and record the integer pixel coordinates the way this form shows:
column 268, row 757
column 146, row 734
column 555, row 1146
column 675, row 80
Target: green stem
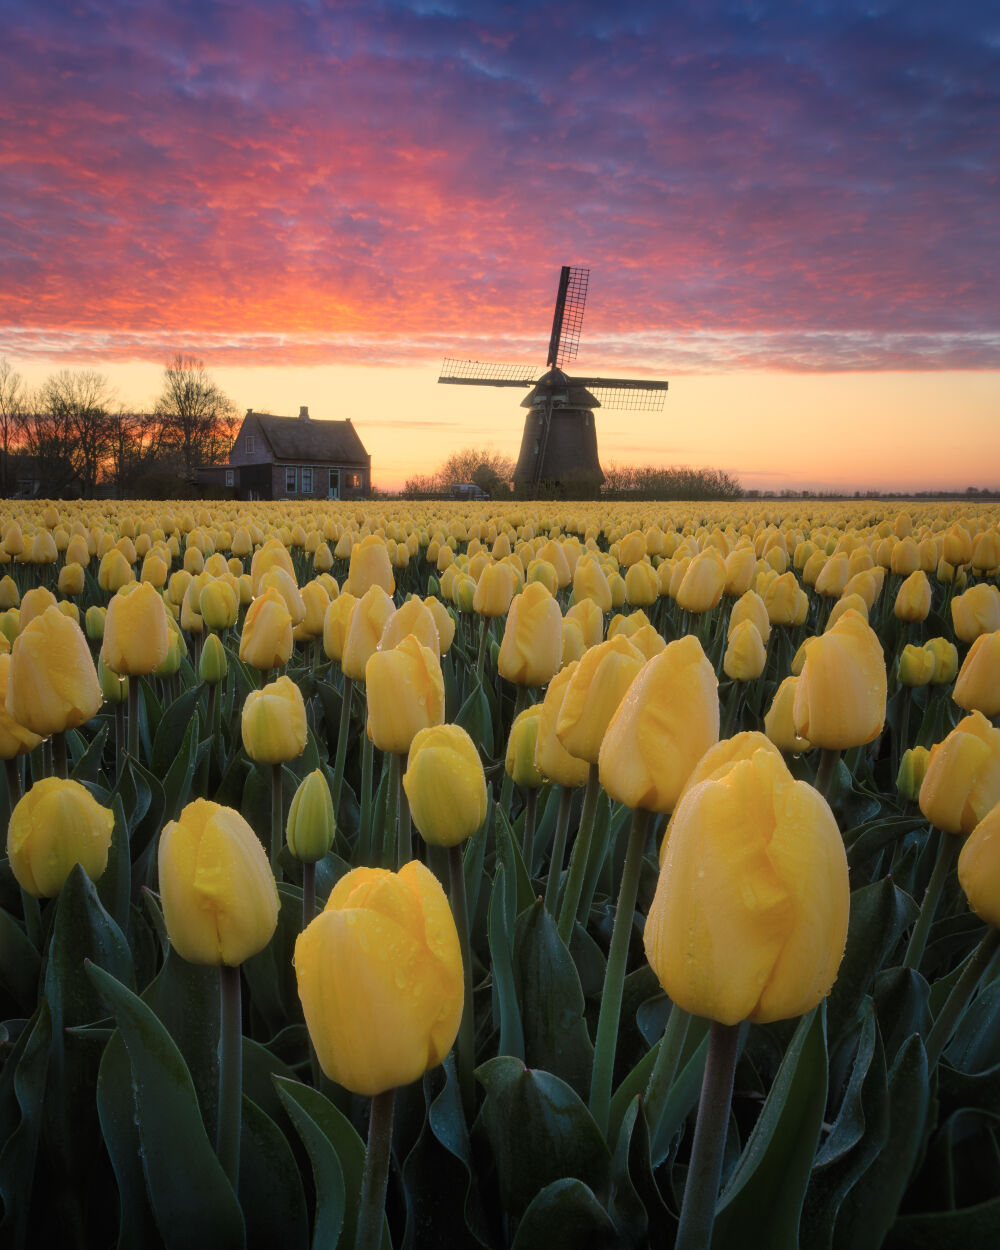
column 961, row 992
column 227, row 1141
column 484, row 634
column 507, row 785
column 277, row 821
column 133, row 717
column 59, row 758
column 558, row 848
column 389, row 843
column 579, row 857
column 342, row 737
column 367, row 768
column 948, row 849
column 121, row 739
column 705, row 1170
column 614, row 978
column 404, row 833
column 308, row 894
column 528, row 842
column 668, row 1057
column 467, row 1028
column 826, row 771
column 371, row 1208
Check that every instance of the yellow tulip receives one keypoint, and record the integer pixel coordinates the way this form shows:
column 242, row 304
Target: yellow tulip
column 979, row 868
column 370, row 566
column 977, row 687
column 273, row 723
column 841, row 694
column 57, row 824
column 135, row 631
column 745, row 656
column 962, row 781
column 405, row 694
column 368, row 621
column 266, row 640
column 14, row 738
column 52, row 682
column 531, row 649
column 597, row 687
column 311, row 826
column 445, row 785
column 551, row 758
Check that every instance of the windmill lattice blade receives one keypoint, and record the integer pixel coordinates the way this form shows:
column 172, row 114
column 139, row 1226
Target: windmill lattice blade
column 568, row 319
column 628, row 394
column 485, row 373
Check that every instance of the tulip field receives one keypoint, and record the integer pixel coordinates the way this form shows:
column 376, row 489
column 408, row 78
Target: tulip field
column 500, row 875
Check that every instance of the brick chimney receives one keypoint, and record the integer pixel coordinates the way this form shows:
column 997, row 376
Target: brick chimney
column 303, row 413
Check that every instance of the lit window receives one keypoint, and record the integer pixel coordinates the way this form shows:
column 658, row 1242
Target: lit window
column 290, row 481
column 230, row 477
column 248, row 443
column 307, row 481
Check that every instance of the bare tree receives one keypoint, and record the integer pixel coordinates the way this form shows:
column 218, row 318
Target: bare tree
column 70, row 432
column 199, row 420
column 13, row 408
column 133, row 444
column 483, row 465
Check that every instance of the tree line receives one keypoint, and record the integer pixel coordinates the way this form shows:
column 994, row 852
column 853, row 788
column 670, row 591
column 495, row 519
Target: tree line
column 72, row 437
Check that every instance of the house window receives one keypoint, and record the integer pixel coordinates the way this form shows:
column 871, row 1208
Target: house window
column 230, row 477
column 307, row 481
column 353, row 479
column 248, row 444
column 290, row 481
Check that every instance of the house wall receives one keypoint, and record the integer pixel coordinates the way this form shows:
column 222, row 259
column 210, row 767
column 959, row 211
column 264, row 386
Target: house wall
column 320, row 480
column 261, row 452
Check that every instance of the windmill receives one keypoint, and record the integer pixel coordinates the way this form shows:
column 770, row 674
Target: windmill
column 559, row 443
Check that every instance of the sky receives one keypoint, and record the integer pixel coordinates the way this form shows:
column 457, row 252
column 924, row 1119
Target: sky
column 789, row 210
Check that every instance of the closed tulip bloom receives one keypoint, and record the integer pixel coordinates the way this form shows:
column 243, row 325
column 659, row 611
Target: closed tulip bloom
column 311, row 826
column 14, row 738
column 34, row 603
column 779, row 722
column 52, row 681
column 414, row 617
column 956, row 546
column 905, row 557
column 154, row 570
column 219, row 605
column 135, row 631
column 627, row 625
column 642, row 586
column 445, row 785
column 745, row 656
column 963, row 776
column 840, row 698
column 867, row 584
column 266, row 640
column 911, row 773
column 520, row 760
column 544, row 572
column 647, row 641
column 336, row 623
column 750, row 607
column 316, row 600
column 703, row 583
column 57, row 824
column 986, row 551
column 833, row 576
column 916, row 666
column 740, row 565
column 273, row 555
column 380, row 978
column 979, row 868
column 114, row 572
column 176, row 650
column 368, row 622
column 113, row 687
column 494, row 590
column 913, row 599
column 370, row 566
column 405, row 694
column 71, row 579
column 666, row 721
column 749, row 919
column 551, row 758
column 444, row 621
column 598, row 686
column 846, row 603
column 531, row 649
column 10, row 596
column 574, row 644
column 273, row 723
column 784, row 597
column 977, row 687
column 283, row 582
column 219, row 898
column 213, row 666
column 976, row 612
column 590, row 582
column 945, row 655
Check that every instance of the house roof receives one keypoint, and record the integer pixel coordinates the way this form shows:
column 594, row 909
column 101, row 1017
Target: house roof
column 298, row 438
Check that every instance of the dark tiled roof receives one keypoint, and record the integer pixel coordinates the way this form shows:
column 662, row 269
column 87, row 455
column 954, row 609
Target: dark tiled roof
column 292, row 438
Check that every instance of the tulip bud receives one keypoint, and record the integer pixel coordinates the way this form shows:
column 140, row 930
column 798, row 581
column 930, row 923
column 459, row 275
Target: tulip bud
column 841, row 694
column 416, row 618
column 978, row 685
column 218, row 605
column 551, row 758
column 71, row 579
column 979, row 868
column 14, row 738
column 220, row 901
column 368, row 621
column 745, row 656
column 378, row 1022
column 213, row 667
column 266, row 641
column 10, row 596
column 945, row 655
column 114, row 572
column 136, row 635
column 370, row 566
column 916, row 666
column 445, row 785
column 405, row 694
column 531, row 650
column 748, row 838
column 664, row 723
column 57, row 824
column 598, row 686
column 52, row 684
column 589, row 582
column 34, row 603
column 912, row 770
column 273, row 723
column 913, row 599
column 445, row 623
column 520, row 760
column 113, row 687
column 176, row 649
column 494, row 590
column 976, row 612
column 311, row 826
column 703, row 582
column 962, row 781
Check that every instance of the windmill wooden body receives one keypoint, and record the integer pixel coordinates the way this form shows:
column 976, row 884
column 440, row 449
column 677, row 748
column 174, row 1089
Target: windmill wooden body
column 559, row 444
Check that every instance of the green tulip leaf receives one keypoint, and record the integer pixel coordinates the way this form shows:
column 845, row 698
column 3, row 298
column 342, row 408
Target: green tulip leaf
column 667, row 1120
column 476, row 719
column 636, row 1204
column 171, row 729
column 869, row 1208
column 973, row 1228
column 20, row 963
column 509, row 854
column 762, row 1202
column 540, row 1131
column 271, row 1193
column 115, row 886
column 28, row 1070
column 337, row 1154
column 192, row 1200
column 270, row 974
column 552, row 1002
column 566, row 1216
column 901, row 1007
column 88, row 766
column 178, row 778
column 975, row 1045
column 501, row 926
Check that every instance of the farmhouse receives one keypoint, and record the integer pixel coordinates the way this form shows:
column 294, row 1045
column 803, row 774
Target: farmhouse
column 297, row 458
